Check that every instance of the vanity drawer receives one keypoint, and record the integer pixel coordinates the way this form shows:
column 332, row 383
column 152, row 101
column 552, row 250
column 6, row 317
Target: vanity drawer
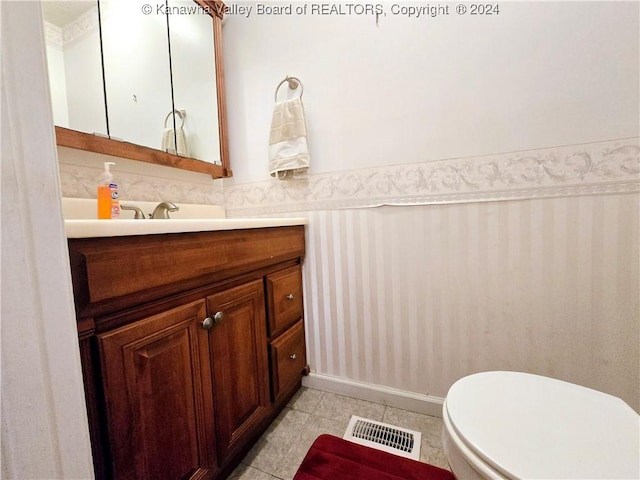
column 284, row 294
column 288, row 359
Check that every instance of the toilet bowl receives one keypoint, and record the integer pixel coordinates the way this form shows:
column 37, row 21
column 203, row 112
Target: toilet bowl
column 517, row 425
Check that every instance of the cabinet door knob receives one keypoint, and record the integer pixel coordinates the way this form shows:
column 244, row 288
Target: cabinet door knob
column 207, row 323
column 293, row 356
column 290, row 296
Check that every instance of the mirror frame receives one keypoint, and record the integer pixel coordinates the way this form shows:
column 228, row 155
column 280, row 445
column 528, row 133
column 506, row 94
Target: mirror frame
column 67, row 137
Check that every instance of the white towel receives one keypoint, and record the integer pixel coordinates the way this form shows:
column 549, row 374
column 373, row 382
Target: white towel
column 288, row 150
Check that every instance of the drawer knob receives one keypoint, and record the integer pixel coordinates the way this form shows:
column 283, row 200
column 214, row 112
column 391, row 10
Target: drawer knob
column 290, row 296
column 293, row 356
column 218, row 317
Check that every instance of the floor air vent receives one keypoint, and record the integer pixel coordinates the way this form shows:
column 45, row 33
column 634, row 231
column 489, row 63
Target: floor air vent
column 388, row 438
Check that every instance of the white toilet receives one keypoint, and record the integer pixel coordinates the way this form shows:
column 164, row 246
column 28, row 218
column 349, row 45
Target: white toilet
column 517, row 425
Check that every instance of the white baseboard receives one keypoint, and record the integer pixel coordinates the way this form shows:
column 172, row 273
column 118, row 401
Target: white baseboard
column 413, row 402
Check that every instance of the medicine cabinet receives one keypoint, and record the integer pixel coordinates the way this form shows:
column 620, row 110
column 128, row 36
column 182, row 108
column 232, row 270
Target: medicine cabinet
column 140, row 80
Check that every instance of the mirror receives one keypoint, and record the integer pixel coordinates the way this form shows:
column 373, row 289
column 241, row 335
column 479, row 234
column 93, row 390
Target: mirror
column 137, row 75
column 152, row 106
column 75, row 71
column 193, row 72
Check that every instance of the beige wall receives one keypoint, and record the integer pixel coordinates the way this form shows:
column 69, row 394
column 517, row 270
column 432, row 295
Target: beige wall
column 434, row 115
column 397, row 90
column 419, row 274
column 414, row 298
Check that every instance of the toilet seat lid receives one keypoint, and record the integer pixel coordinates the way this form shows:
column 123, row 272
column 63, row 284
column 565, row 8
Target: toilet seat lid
column 529, row 426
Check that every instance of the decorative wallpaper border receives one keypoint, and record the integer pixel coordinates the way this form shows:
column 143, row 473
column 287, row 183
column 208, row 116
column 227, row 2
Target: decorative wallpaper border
column 53, row 35
column 60, row 37
column 587, row 169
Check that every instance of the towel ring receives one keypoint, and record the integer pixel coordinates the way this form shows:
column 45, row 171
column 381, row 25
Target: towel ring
column 175, row 112
column 294, row 83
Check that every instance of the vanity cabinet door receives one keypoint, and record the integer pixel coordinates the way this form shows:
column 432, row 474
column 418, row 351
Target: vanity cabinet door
column 239, row 362
column 157, row 382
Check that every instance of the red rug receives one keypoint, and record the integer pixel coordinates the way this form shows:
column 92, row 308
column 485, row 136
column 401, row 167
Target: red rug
column 332, row 458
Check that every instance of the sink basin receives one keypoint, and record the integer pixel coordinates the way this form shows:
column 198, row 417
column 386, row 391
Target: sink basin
column 85, row 209
column 80, row 220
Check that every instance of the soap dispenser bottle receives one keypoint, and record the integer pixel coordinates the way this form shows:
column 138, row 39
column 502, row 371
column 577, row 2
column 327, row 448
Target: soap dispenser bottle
column 107, row 193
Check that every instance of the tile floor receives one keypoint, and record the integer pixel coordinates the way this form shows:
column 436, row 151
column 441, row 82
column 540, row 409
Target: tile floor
column 310, row 413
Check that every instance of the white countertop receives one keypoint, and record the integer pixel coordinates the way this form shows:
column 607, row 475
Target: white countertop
column 81, row 222
column 119, row 228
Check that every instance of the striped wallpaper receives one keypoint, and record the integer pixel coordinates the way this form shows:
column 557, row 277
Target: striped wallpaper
column 415, row 297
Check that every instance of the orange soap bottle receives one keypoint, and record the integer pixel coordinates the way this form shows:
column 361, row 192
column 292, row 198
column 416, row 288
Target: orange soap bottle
column 104, row 192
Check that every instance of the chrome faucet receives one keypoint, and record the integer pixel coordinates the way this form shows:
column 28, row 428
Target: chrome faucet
column 139, row 213
column 162, row 210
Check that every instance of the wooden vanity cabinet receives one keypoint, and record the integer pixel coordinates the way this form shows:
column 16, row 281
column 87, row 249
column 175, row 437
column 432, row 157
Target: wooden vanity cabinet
column 181, row 371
